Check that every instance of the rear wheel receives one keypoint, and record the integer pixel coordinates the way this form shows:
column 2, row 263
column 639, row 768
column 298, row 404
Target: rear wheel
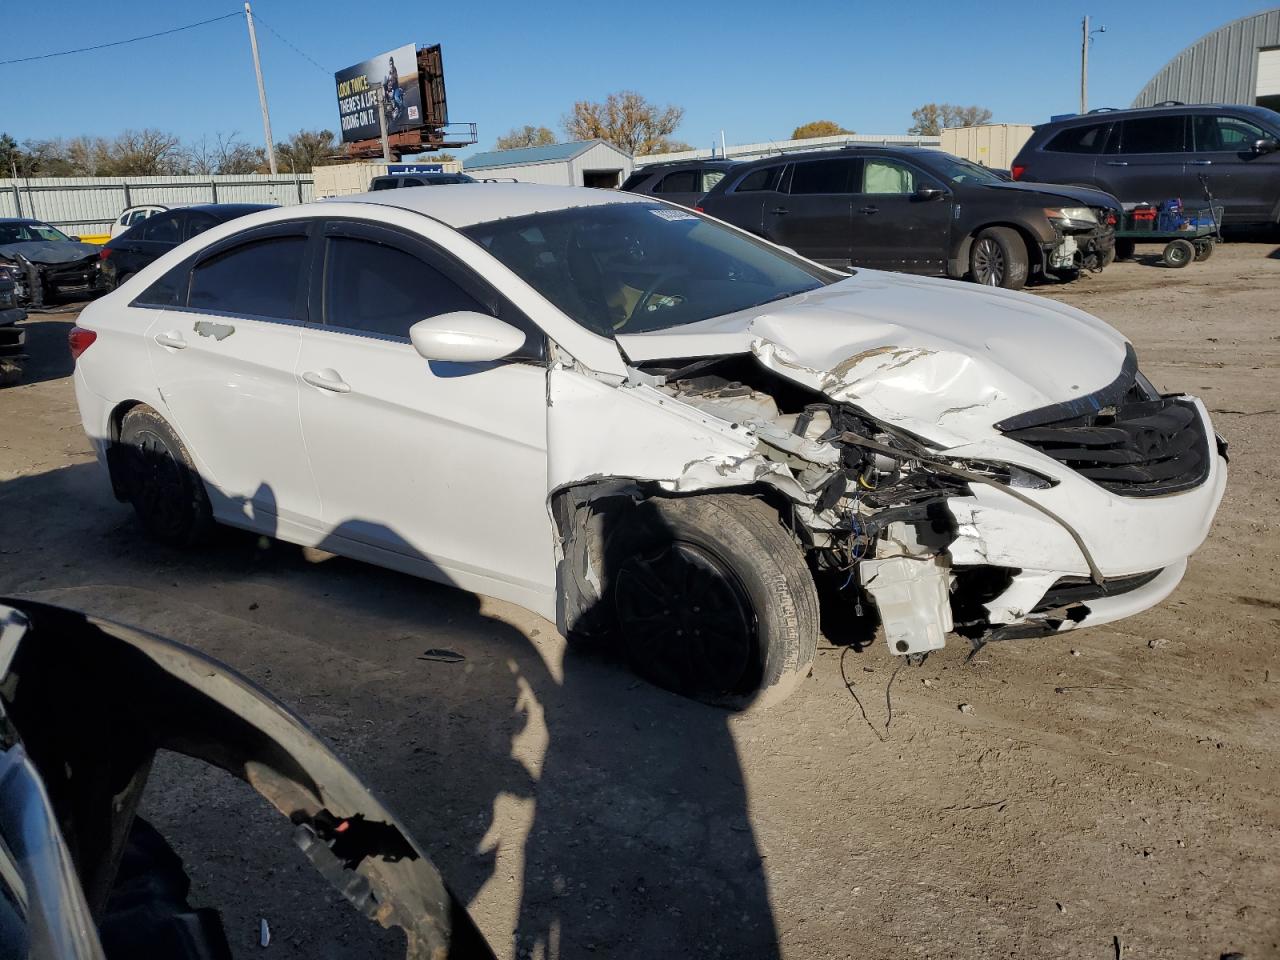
column 714, row 600
column 1204, row 250
column 160, row 479
column 998, row 258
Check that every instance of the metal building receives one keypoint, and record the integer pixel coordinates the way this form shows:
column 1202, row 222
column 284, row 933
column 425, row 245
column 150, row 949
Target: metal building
column 581, row 163
column 1238, row 63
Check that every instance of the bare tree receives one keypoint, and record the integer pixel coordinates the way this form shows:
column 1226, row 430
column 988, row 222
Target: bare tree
column 143, row 153
column 818, row 128
column 306, row 149
column 932, row 118
column 227, row 153
column 44, row 158
column 526, row 136
column 627, row 120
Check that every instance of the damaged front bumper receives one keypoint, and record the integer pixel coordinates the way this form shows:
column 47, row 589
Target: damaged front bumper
column 1080, row 247
column 38, row 284
column 1074, row 515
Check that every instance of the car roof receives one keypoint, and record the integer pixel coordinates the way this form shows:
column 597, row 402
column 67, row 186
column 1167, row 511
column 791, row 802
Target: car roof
column 22, row 220
column 1108, row 114
column 667, row 165
column 229, row 210
column 827, row 154
column 463, row 204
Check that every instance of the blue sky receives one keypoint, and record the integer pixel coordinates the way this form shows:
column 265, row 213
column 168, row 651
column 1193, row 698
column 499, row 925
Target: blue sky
column 754, row 69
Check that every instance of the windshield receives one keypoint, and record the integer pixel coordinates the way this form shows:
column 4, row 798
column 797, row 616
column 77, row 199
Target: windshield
column 25, row 232
column 961, row 171
column 632, row 267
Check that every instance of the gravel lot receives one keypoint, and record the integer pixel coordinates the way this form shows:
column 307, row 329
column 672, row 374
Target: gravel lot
column 1112, row 793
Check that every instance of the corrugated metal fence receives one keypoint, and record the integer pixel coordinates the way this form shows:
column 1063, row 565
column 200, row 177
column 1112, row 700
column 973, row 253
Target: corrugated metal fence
column 88, row 205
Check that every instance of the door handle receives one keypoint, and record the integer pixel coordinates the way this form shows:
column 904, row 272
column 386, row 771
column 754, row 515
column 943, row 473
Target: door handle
column 870, row 209
column 1200, row 163
column 779, row 211
column 1117, row 163
column 333, row 383
column 171, row 340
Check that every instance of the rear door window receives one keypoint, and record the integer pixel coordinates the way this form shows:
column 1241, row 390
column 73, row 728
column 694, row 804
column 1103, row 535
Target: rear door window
column 766, row 178
column 1079, row 139
column 199, row 223
column 163, row 228
column 710, row 178
column 257, row 279
column 1163, row 134
column 682, row 181
column 841, row 175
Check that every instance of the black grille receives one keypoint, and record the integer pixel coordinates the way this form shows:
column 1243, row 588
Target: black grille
column 1124, row 437
column 1070, row 590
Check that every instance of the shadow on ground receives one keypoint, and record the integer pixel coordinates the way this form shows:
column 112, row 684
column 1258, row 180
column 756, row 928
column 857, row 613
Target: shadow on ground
column 599, row 816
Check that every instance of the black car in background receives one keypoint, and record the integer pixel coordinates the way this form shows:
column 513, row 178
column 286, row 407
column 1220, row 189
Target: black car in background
column 684, row 182
column 12, row 337
column 394, row 181
column 1160, row 153
column 144, row 242
column 918, row 210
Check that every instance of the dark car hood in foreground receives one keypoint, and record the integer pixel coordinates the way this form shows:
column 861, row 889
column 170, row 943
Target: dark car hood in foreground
column 1085, row 195
column 50, row 252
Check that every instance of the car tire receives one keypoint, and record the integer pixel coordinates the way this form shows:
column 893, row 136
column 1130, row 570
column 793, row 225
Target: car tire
column 121, row 280
column 1125, row 248
column 714, row 600
column 1205, row 250
column 160, row 480
column 998, row 258
column 1179, row 253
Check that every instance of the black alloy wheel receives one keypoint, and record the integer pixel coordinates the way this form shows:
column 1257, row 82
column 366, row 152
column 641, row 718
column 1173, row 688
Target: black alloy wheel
column 687, row 622
column 988, row 262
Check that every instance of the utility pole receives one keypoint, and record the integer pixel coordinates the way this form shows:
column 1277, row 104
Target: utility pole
column 382, row 124
column 262, row 92
column 1086, row 37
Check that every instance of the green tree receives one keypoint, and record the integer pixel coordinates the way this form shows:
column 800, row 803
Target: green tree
column 10, row 154
column 818, row 128
column 526, row 136
column 305, row 150
column 932, row 118
column 625, row 119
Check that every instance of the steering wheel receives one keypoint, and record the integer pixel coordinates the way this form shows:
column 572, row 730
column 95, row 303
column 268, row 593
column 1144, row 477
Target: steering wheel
column 642, row 304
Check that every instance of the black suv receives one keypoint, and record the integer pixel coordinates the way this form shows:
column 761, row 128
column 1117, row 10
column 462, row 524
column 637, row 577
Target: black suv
column 1160, row 153
column 684, row 182
column 919, row 211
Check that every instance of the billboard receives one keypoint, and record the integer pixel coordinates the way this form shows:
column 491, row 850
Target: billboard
column 395, row 73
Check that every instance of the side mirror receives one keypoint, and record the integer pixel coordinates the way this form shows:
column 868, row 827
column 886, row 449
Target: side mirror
column 1266, row 145
column 930, row 193
column 465, row 337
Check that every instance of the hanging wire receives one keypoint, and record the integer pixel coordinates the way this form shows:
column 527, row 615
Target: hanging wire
column 120, row 43
column 280, row 37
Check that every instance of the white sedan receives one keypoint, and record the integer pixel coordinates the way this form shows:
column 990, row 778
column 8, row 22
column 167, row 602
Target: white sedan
column 669, row 436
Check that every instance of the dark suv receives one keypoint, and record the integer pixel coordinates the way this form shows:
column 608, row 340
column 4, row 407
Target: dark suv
column 1160, row 153
column 684, row 182
column 917, row 210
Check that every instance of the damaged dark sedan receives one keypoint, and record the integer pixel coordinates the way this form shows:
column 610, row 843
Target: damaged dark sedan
column 45, row 264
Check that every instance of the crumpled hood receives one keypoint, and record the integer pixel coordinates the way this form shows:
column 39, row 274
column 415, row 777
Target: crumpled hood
column 50, row 252
column 941, row 358
column 1084, row 195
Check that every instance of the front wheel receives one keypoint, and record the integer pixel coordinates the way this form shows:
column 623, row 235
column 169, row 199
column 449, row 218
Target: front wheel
column 998, row 258
column 1178, row 253
column 714, row 600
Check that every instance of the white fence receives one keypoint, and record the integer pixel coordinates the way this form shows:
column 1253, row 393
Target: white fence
column 88, row 205
column 752, row 151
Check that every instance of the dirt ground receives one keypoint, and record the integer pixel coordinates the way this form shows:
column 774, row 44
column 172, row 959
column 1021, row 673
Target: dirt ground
column 1111, row 793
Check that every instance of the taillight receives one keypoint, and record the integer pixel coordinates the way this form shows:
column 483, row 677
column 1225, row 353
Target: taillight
column 104, row 253
column 80, row 340
column 699, row 209
column 1017, row 171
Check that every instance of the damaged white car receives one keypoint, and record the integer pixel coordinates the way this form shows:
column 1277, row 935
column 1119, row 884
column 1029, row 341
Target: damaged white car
column 668, row 435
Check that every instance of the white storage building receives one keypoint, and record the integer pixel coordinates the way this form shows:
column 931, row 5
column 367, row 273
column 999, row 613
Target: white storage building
column 581, row 163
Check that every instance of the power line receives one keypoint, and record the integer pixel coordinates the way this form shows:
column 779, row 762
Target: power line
column 257, row 16
column 120, row 43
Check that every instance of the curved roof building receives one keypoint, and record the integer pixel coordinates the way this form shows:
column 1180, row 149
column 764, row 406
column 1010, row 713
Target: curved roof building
column 1237, row 63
